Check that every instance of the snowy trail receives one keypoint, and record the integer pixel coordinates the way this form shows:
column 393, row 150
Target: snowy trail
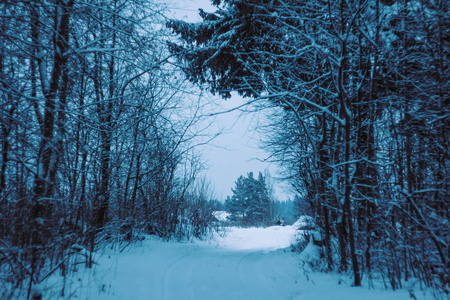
column 246, row 264
column 222, row 275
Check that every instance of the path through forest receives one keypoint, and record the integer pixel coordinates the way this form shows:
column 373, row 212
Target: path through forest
column 251, row 263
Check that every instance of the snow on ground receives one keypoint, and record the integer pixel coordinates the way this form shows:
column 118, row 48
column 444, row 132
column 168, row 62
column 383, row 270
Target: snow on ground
column 221, row 215
column 247, row 263
column 257, row 239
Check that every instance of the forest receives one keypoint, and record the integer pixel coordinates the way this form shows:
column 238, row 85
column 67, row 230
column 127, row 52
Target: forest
column 362, row 123
column 98, row 134
column 101, row 114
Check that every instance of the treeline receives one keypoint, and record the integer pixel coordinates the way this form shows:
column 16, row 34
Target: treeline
column 97, row 134
column 360, row 91
column 253, row 203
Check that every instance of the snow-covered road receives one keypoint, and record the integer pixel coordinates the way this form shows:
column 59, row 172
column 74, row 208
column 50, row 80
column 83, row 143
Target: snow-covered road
column 247, row 264
column 226, row 275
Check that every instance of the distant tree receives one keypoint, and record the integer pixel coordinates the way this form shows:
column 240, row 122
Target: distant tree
column 250, row 201
column 216, row 205
column 302, row 206
column 235, row 204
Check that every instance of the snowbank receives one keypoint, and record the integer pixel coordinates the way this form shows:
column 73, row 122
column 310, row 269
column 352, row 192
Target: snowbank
column 221, row 215
column 304, row 223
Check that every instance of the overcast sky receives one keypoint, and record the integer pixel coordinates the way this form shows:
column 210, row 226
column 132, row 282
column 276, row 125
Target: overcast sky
column 237, row 150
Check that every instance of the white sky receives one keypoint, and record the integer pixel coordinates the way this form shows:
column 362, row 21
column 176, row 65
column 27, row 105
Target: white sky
column 237, row 150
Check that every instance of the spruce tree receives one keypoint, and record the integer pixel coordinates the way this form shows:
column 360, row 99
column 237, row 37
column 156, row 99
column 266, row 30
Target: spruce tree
column 250, row 200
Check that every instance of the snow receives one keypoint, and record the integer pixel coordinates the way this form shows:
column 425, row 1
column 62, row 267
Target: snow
column 221, row 215
column 304, row 222
column 311, row 254
column 257, row 239
column 246, row 263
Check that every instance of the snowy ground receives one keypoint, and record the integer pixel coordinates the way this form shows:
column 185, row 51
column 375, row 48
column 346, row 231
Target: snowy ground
column 251, row 263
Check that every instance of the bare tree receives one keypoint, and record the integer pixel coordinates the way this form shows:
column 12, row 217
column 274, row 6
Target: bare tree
column 98, row 132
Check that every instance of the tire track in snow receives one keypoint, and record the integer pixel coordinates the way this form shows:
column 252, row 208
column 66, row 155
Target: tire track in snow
column 255, row 278
column 176, row 277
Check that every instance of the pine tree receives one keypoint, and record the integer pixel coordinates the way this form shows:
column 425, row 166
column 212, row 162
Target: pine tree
column 250, row 200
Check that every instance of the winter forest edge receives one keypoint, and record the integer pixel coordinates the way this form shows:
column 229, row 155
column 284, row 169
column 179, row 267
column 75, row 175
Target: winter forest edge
column 102, row 113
